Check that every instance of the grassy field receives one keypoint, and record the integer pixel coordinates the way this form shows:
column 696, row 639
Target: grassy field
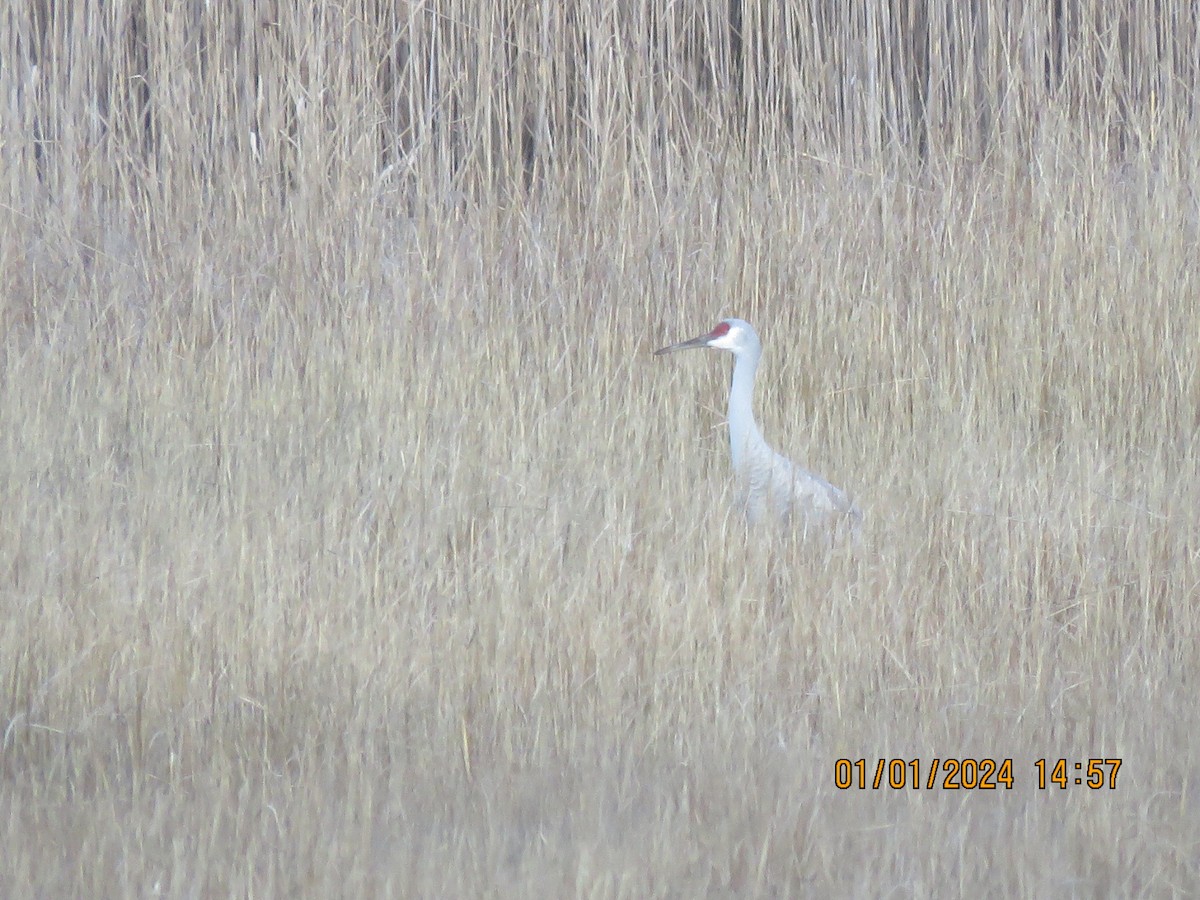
column 353, row 543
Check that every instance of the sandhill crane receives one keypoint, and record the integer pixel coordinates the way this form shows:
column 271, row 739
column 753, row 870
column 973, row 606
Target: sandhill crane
column 766, row 480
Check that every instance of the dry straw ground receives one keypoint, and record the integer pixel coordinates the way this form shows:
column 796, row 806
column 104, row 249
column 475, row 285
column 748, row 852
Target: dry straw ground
column 353, row 543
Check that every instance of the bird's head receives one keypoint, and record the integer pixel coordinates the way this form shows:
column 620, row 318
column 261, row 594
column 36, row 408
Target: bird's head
column 735, row 335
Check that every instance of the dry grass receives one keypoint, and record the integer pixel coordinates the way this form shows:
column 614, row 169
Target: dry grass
column 353, row 544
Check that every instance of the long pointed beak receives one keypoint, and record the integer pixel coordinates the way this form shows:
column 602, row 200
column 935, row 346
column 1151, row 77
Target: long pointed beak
column 701, row 341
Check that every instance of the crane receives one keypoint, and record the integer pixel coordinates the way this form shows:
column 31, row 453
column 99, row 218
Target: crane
column 766, row 480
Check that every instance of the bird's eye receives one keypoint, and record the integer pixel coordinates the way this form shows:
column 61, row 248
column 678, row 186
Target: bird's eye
column 721, row 330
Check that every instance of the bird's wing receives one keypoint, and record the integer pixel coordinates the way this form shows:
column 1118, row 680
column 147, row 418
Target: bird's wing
column 810, row 491
column 769, row 480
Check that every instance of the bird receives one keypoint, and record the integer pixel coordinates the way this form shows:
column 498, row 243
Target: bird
column 767, row 481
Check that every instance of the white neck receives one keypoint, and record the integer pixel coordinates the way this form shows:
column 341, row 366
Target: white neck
column 743, row 432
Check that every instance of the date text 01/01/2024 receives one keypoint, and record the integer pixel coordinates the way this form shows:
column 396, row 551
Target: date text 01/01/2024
column 971, row 774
